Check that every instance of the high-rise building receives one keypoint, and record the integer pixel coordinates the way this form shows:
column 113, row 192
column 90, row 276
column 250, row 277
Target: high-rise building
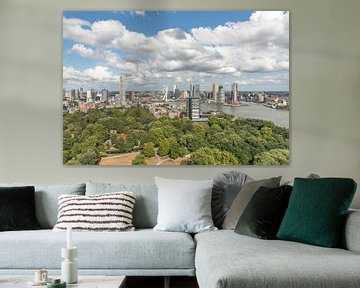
column 194, row 91
column 133, row 96
column 221, row 95
column 82, row 94
column 193, row 108
column 191, row 91
column 122, row 95
column 89, row 96
column 197, row 91
column 98, row 97
column 215, row 91
column 104, row 95
column 177, row 93
column 234, row 93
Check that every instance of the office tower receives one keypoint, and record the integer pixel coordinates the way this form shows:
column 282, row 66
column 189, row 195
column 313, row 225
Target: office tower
column 177, row 93
column 221, row 95
column 234, row 93
column 89, row 98
column 122, row 95
column 104, row 95
column 215, row 91
column 133, row 96
column 193, row 108
column 196, row 93
column 191, row 95
column 82, row 94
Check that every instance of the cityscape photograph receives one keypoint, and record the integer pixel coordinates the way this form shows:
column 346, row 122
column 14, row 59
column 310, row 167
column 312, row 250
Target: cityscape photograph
column 176, row 88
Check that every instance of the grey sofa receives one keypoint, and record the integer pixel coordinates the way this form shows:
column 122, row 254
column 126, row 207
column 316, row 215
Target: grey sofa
column 218, row 259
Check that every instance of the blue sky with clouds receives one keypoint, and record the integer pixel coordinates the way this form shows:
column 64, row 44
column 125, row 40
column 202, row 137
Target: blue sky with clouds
column 153, row 49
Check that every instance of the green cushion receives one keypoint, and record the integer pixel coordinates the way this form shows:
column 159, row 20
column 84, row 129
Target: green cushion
column 316, row 211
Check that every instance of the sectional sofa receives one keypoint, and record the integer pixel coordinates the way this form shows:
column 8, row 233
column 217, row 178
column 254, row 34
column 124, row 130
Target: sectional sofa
column 219, row 259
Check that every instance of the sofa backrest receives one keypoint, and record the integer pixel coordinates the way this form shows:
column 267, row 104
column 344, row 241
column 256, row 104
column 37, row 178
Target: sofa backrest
column 146, row 203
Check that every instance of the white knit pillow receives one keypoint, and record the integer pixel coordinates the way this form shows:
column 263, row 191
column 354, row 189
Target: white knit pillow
column 105, row 212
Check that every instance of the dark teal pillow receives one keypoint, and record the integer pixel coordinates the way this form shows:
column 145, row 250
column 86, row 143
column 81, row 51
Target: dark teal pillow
column 316, row 211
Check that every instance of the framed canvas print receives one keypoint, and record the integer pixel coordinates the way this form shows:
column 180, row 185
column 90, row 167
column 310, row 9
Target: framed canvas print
column 176, row 88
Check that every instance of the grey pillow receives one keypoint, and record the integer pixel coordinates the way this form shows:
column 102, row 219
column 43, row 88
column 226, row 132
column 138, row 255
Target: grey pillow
column 310, row 176
column 184, row 205
column 243, row 198
column 146, row 206
column 225, row 189
column 46, row 200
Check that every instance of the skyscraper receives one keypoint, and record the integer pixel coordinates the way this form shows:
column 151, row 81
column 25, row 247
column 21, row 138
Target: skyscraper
column 215, row 91
column 89, row 97
column 234, row 93
column 221, row 95
column 122, row 96
column 105, row 95
column 193, row 108
column 193, row 102
column 133, row 96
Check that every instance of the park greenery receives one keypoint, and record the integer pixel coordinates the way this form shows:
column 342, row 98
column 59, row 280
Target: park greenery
column 89, row 136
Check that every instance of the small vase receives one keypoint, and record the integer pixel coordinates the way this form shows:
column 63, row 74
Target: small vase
column 69, row 269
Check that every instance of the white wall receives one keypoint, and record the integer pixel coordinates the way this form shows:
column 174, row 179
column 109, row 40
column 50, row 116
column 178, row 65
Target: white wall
column 325, row 90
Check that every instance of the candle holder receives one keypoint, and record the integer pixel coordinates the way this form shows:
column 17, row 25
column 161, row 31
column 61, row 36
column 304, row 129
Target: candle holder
column 68, row 265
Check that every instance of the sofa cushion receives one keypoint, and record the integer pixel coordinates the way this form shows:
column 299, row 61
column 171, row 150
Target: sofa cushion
column 46, row 200
column 146, row 205
column 263, row 215
column 105, row 212
column 17, row 208
column 243, row 198
column 317, row 209
column 350, row 239
column 225, row 259
column 225, row 189
column 184, row 205
column 142, row 249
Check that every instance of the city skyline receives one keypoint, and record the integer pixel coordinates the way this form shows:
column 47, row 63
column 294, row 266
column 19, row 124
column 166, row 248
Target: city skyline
column 152, row 50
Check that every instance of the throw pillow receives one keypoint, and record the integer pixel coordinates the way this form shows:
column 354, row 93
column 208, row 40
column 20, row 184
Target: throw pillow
column 226, row 187
column 146, row 205
column 17, row 208
column 46, row 200
column 106, row 212
column 316, row 211
column 263, row 215
column 243, row 198
column 312, row 176
column 184, row 205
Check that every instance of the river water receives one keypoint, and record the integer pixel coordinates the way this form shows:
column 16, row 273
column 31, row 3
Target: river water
column 251, row 110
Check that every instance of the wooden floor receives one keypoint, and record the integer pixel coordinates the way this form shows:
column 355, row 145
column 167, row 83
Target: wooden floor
column 158, row 282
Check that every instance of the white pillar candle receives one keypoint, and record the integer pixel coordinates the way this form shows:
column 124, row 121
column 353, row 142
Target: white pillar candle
column 69, row 237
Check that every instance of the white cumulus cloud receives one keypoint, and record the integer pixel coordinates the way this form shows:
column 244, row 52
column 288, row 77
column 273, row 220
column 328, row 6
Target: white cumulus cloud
column 230, row 51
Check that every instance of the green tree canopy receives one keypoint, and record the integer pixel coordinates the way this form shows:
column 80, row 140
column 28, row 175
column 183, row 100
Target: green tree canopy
column 211, row 156
column 149, row 150
column 272, row 157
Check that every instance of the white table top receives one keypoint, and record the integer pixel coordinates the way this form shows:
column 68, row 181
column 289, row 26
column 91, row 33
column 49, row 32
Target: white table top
column 84, row 281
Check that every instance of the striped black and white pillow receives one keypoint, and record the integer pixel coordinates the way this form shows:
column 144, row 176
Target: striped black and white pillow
column 105, row 212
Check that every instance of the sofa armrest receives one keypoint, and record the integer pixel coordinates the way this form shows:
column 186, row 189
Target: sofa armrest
column 351, row 234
